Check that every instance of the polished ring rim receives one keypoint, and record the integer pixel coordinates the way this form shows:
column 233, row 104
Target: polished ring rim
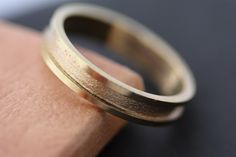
column 57, row 27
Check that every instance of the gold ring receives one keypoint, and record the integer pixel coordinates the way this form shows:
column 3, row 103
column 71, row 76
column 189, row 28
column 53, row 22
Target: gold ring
column 142, row 47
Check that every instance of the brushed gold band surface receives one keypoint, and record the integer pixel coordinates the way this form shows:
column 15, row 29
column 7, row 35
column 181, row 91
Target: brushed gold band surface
column 130, row 39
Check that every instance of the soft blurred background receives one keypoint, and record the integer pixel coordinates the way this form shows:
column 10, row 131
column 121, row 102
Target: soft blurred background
column 204, row 33
column 11, row 8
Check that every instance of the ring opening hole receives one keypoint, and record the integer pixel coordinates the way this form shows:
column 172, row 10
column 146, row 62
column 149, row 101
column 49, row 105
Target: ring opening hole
column 125, row 48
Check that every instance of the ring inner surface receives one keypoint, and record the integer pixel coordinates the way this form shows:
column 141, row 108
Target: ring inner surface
column 127, row 43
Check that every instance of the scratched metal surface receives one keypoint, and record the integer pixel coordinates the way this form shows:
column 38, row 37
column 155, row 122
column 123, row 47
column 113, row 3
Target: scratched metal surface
column 204, row 34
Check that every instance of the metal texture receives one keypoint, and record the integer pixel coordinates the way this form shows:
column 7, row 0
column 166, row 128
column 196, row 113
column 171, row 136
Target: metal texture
column 129, row 39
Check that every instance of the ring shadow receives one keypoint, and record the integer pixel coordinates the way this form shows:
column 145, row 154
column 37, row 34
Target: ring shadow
column 179, row 138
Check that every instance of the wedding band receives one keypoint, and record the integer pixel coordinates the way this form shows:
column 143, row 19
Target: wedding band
column 128, row 38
